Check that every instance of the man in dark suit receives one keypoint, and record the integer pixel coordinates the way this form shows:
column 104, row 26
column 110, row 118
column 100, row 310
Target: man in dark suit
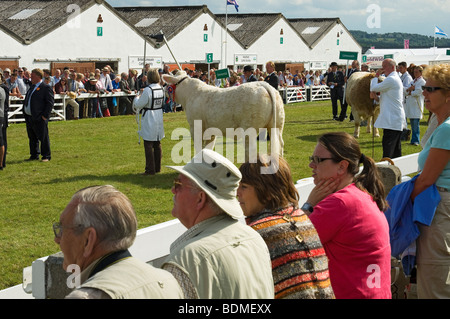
column 335, row 80
column 248, row 74
column 272, row 77
column 37, row 107
column 355, row 68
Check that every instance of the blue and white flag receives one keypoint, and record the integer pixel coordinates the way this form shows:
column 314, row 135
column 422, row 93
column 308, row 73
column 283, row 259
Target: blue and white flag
column 439, row 31
column 234, row 3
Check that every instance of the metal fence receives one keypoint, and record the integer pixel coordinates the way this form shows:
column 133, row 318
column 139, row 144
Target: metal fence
column 296, row 94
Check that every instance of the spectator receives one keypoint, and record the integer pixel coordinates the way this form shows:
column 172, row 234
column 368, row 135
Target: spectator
column 4, row 95
column 57, row 76
column 5, row 122
column 433, row 243
column 13, row 86
column 132, row 81
column 48, row 74
column 116, row 88
column 270, row 204
column 124, row 101
column 218, row 257
column 91, row 87
column 6, row 74
column 94, row 232
column 22, row 82
column 414, row 105
column 347, row 209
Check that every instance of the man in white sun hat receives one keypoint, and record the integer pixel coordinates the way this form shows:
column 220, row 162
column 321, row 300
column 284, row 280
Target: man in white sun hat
column 218, row 257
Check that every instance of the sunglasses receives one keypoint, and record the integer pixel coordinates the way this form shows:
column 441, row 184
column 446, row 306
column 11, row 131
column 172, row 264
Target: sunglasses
column 431, row 89
column 317, row 159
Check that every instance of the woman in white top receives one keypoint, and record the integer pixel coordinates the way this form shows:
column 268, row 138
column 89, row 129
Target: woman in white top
column 414, row 104
column 150, row 103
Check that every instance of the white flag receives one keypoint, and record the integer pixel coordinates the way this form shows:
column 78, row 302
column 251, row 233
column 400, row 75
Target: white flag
column 439, row 31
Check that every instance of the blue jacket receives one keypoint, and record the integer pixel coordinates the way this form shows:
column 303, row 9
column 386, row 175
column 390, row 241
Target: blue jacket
column 403, row 217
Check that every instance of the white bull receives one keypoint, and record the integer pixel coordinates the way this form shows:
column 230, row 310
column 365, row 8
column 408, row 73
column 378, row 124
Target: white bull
column 357, row 95
column 251, row 105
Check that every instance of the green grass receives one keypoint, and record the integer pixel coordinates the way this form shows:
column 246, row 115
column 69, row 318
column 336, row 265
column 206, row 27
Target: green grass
column 106, row 151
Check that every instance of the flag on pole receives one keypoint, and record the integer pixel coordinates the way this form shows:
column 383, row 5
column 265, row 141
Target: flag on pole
column 234, row 3
column 406, row 44
column 439, row 31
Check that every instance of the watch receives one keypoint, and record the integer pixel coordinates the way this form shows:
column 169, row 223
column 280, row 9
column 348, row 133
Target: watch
column 307, row 207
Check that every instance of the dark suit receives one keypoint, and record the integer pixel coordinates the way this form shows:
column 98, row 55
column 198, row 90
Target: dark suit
column 252, row 78
column 345, row 105
column 272, row 79
column 41, row 106
column 337, row 92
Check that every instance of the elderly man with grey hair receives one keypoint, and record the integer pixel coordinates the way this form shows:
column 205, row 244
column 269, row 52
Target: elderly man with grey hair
column 94, row 232
column 218, row 257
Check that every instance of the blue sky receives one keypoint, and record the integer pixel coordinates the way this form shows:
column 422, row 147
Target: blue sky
column 373, row 16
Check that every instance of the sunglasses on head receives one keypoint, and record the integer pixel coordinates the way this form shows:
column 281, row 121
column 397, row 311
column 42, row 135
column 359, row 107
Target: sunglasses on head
column 431, row 88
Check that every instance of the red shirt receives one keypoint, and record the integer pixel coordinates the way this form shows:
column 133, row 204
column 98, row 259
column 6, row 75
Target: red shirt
column 355, row 235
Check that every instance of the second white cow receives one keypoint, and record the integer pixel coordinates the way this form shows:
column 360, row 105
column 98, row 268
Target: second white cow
column 254, row 105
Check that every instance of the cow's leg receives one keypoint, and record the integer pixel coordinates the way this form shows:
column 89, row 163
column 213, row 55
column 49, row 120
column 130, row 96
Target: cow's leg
column 357, row 119
column 369, row 124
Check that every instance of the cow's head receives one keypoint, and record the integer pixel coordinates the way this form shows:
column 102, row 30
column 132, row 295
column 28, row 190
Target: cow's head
column 174, row 79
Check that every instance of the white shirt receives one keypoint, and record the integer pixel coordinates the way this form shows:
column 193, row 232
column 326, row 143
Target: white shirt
column 152, row 122
column 392, row 113
column 415, row 101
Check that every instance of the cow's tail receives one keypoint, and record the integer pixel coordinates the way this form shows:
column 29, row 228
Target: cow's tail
column 274, row 138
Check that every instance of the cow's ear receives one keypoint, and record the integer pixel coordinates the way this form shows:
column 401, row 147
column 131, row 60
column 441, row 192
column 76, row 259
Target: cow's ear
column 169, row 79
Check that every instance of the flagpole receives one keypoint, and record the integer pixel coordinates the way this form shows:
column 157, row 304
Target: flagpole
column 226, row 32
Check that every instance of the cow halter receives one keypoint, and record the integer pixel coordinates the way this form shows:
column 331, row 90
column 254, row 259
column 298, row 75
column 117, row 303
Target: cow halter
column 181, row 80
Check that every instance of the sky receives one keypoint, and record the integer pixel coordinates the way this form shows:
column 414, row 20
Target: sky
column 372, row 16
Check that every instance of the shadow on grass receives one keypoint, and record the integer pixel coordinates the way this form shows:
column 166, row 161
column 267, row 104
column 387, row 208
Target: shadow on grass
column 160, row 180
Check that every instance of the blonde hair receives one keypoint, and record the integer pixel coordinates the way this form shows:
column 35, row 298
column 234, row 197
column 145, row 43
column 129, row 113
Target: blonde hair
column 439, row 73
column 153, row 76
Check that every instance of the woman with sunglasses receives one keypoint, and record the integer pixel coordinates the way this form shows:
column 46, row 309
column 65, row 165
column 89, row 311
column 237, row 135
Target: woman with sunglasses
column 347, row 208
column 433, row 252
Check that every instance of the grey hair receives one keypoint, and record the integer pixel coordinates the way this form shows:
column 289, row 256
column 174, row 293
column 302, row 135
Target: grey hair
column 109, row 212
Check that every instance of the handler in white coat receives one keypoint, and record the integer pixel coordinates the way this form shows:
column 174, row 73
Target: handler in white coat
column 150, row 103
column 392, row 114
column 414, row 104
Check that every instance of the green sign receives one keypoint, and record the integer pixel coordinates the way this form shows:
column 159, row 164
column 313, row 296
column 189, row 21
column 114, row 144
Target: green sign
column 388, row 56
column 281, row 40
column 99, row 31
column 448, row 52
column 222, row 73
column 346, row 55
column 209, row 57
column 364, row 58
column 205, row 38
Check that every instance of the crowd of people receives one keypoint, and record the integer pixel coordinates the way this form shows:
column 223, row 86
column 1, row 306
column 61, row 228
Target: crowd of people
column 337, row 244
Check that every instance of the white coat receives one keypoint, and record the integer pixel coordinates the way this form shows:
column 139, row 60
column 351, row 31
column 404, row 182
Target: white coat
column 152, row 128
column 415, row 101
column 392, row 114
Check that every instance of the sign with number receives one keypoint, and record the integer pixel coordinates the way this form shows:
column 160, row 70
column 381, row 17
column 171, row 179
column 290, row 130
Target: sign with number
column 205, row 38
column 99, row 31
column 209, row 58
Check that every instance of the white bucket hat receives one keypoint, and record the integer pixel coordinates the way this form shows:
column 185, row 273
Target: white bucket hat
column 216, row 176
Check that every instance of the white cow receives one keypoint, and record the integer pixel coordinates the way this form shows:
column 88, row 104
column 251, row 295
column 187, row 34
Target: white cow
column 357, row 95
column 251, row 105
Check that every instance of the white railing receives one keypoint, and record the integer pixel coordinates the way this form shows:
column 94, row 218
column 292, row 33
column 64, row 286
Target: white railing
column 152, row 244
column 320, row 93
column 295, row 94
column 15, row 113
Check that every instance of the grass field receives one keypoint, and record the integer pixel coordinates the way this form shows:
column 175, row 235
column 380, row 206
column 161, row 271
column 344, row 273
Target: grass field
column 106, row 151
